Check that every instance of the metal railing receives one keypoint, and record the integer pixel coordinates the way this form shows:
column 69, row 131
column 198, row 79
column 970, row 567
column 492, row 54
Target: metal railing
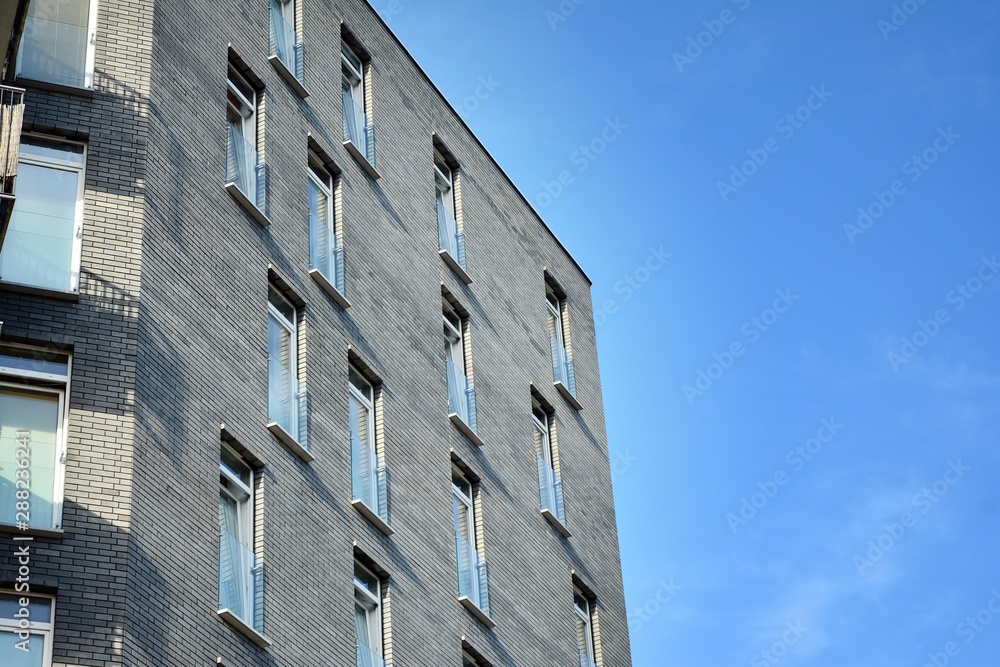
column 246, row 170
column 461, row 396
column 358, row 129
column 450, row 237
column 550, row 491
column 473, row 575
column 369, row 482
column 287, row 402
column 287, row 44
column 241, row 581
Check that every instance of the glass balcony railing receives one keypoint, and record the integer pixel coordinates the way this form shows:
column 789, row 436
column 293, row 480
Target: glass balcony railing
column 450, row 236
column 357, row 128
column 245, row 170
column 586, row 661
column 461, row 396
column 473, row 575
column 367, row 657
column 241, row 582
column 286, row 44
column 550, row 491
column 287, row 402
column 369, row 478
column 562, row 365
column 326, row 254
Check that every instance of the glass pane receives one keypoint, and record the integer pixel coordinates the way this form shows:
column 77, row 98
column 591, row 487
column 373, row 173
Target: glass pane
column 361, row 625
column 279, row 343
column 39, row 609
column 32, row 417
column 359, row 419
column 286, row 309
column 36, row 361
column 56, row 37
column 360, row 383
column 367, row 580
column 236, row 465
column 349, row 56
column 54, row 150
column 40, row 241
column 14, row 657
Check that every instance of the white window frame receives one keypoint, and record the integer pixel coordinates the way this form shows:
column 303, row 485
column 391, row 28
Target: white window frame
column 555, row 306
column 544, row 428
column 454, row 340
column 368, row 403
column 45, row 629
column 290, row 326
column 288, row 12
column 469, row 501
column 81, row 189
column 62, row 423
column 88, row 73
column 244, row 504
column 585, row 615
column 372, row 605
column 354, row 76
column 248, row 109
column 444, row 180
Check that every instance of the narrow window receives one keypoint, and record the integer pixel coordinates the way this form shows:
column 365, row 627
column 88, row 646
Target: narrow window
column 240, row 572
column 286, row 44
column 42, row 246
column 326, row 253
column 359, row 136
column 473, row 582
column 286, row 400
column 33, row 416
column 461, row 393
column 550, row 490
column 245, row 171
column 451, row 238
column 368, row 625
column 38, row 637
column 59, row 42
column 584, row 629
column 562, row 358
column 368, row 474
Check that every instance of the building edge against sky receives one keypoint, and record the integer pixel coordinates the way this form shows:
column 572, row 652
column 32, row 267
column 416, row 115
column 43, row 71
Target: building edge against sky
column 240, row 231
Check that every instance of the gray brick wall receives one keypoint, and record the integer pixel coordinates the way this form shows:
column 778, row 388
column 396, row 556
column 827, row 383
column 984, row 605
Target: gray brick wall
column 158, row 371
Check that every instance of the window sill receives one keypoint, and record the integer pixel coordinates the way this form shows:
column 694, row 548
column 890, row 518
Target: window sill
column 248, row 205
column 71, row 297
column 568, row 395
column 372, row 516
column 76, row 91
column 281, row 434
column 480, row 615
column 362, row 160
column 51, row 533
column 329, row 288
column 556, row 523
column 251, row 634
column 455, row 266
column 465, row 429
column 289, row 77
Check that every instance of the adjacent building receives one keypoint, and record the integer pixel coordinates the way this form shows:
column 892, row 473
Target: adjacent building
column 290, row 372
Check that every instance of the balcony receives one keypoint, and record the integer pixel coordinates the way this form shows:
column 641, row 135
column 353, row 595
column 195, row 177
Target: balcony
column 473, row 581
column 586, row 661
column 462, row 403
column 287, row 52
column 246, row 177
column 562, row 372
column 288, row 409
column 11, row 117
column 359, row 135
column 368, row 657
column 369, row 484
column 241, row 588
column 550, row 496
column 326, row 260
column 451, row 242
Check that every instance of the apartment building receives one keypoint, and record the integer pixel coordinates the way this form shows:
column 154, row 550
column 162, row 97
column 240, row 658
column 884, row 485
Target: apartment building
column 290, row 372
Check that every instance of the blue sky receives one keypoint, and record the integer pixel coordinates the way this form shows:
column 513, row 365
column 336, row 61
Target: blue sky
column 865, row 338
